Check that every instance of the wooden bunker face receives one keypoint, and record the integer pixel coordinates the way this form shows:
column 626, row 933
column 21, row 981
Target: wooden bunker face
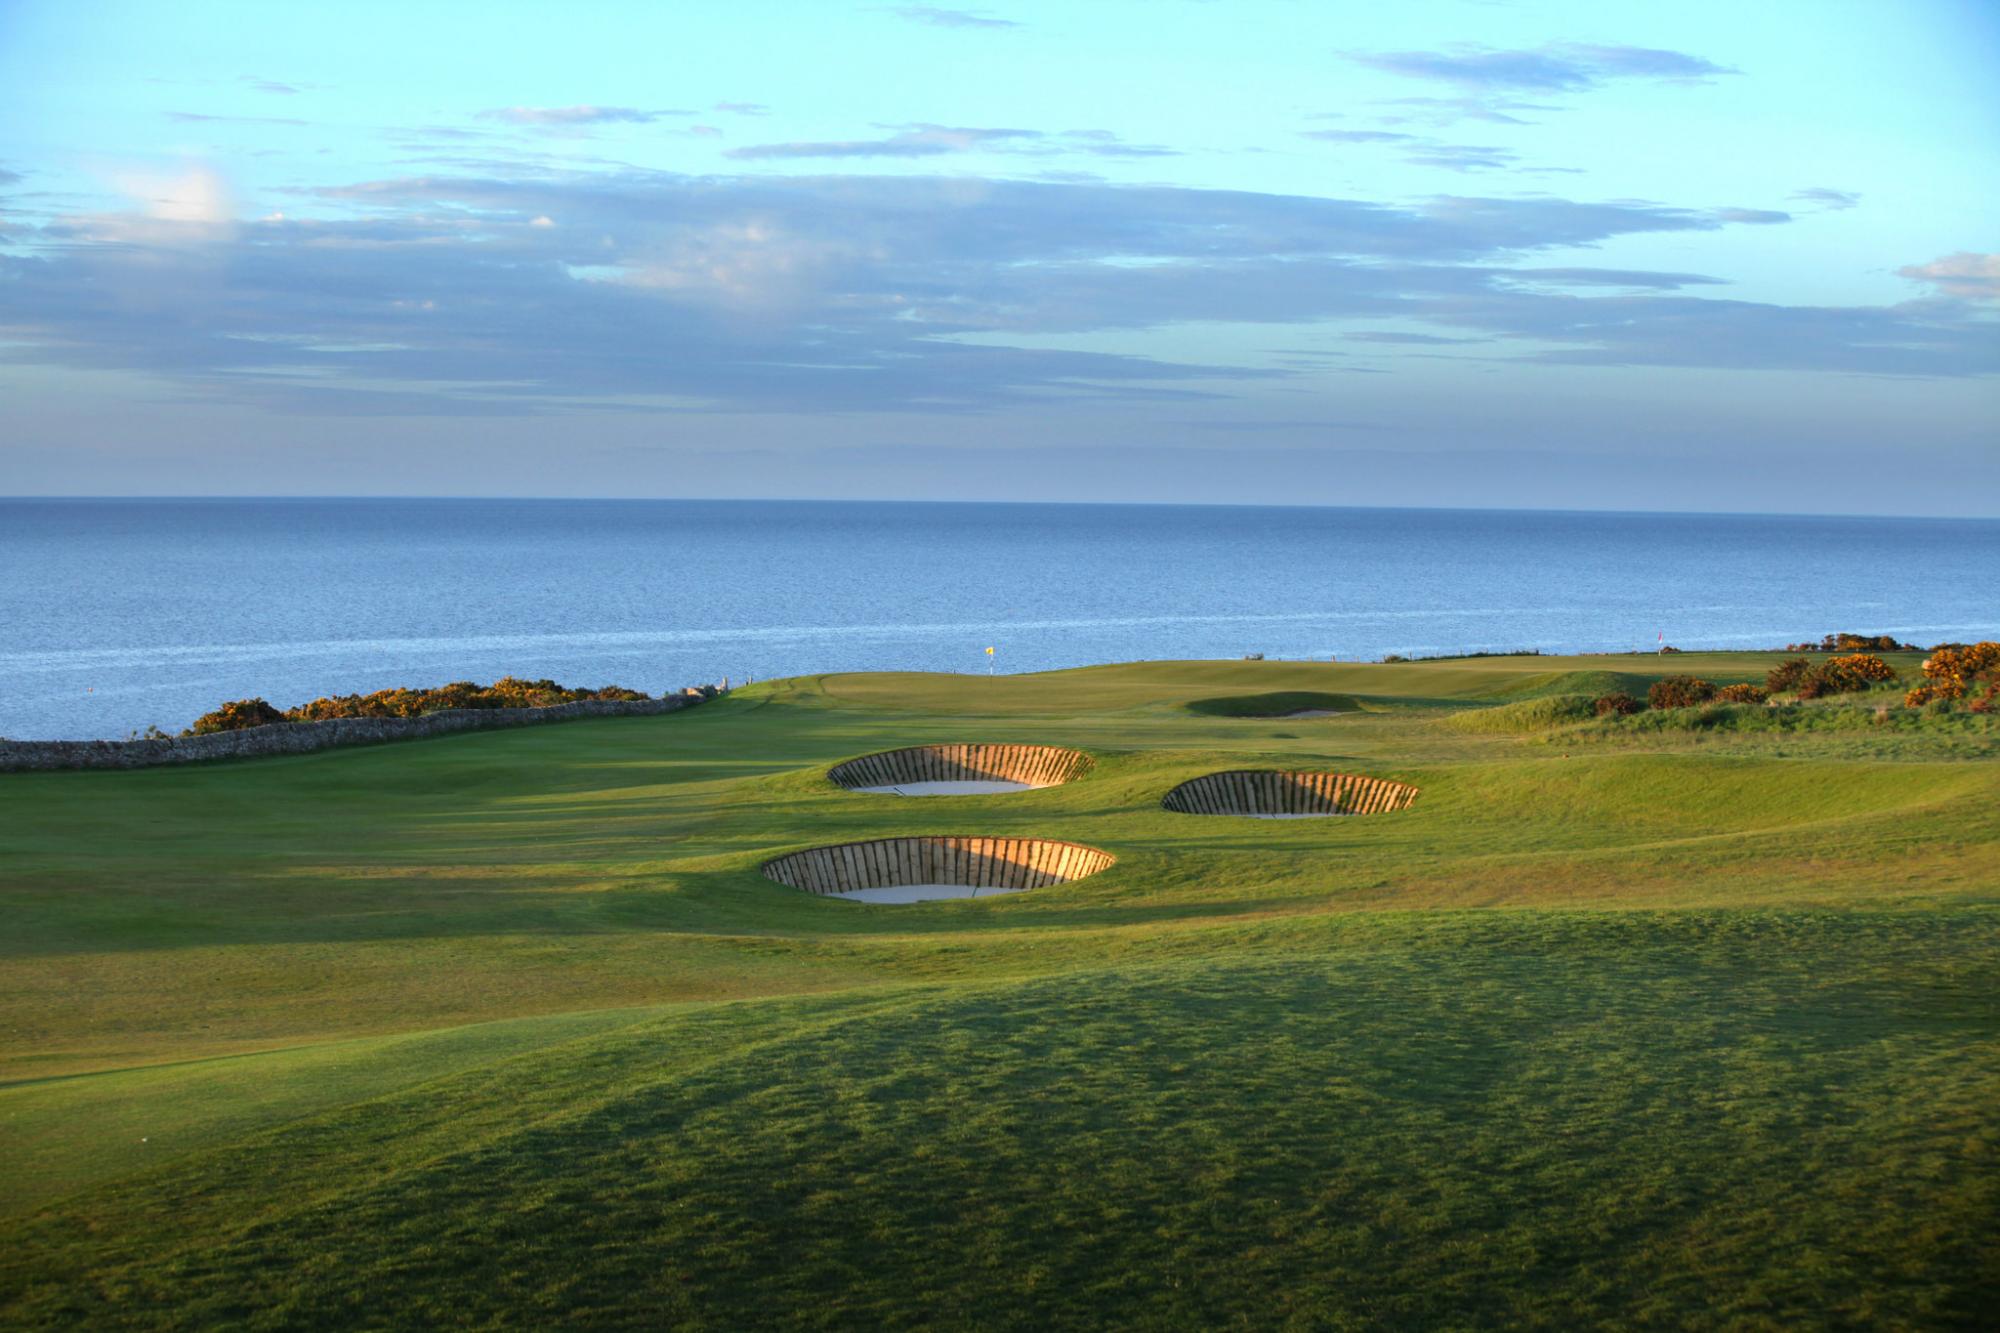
column 1280, row 794
column 995, row 865
column 951, row 769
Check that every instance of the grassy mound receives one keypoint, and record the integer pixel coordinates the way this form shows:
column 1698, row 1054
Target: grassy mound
column 1590, row 684
column 1534, row 714
column 1687, row 1026
column 1282, row 703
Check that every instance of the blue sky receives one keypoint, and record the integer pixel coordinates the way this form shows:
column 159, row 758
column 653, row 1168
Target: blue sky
column 1700, row 256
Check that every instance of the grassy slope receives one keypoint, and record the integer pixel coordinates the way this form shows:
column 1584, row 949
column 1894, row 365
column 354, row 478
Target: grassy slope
column 1673, row 1022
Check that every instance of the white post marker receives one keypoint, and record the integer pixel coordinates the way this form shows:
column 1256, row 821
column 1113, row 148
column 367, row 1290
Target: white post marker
column 989, row 661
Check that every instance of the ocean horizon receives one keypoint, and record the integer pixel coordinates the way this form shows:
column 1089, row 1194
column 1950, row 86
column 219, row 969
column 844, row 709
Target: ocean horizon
column 123, row 613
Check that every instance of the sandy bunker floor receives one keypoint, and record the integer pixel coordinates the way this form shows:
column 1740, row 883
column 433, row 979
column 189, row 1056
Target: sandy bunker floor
column 967, row 787
column 919, row 893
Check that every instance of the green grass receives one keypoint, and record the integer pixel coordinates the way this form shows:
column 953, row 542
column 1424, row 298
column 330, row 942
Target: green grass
column 1619, row 1023
column 1538, row 713
column 1274, row 705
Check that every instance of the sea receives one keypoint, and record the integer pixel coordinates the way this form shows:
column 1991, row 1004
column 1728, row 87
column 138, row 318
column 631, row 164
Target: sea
column 118, row 615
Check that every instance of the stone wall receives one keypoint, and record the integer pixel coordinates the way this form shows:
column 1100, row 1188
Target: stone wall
column 304, row 737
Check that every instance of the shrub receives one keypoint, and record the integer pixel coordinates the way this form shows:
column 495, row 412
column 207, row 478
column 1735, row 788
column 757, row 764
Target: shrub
column 1680, row 692
column 1786, row 676
column 1845, row 675
column 507, row 692
column 237, row 715
column 1609, row 705
column 1742, row 694
column 1854, row 643
column 1954, row 668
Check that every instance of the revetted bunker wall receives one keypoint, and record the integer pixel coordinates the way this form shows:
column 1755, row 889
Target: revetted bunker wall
column 996, row 863
column 1270, row 791
column 1035, row 765
column 304, row 737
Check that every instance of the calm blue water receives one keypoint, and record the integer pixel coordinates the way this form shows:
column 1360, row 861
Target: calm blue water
column 119, row 614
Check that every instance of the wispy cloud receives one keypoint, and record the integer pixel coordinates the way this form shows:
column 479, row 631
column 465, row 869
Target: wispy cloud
column 1358, row 136
column 1562, row 67
column 1611, row 277
column 742, row 108
column 1491, row 83
column 912, row 141
column 1423, row 151
column 570, row 117
column 1754, row 217
column 201, row 118
column 1966, row 275
column 1103, row 143
column 925, row 140
column 1829, row 201
column 1463, row 157
column 936, row 17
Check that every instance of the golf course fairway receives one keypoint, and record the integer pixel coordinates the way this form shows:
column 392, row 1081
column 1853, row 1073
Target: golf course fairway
column 1651, row 1021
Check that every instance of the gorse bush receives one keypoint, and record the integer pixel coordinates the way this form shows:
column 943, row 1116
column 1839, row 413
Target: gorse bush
column 507, row 692
column 236, row 716
column 1854, row 643
column 1615, row 705
column 1785, row 677
column 1845, row 675
column 1680, row 692
column 1837, row 675
column 1741, row 694
column 1955, row 669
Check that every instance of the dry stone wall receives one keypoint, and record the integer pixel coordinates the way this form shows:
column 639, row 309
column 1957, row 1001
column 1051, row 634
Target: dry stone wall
column 1274, row 792
column 1034, row 765
column 304, row 737
column 996, row 863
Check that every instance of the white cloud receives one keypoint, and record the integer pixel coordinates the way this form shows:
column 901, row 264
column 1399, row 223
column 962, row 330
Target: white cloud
column 197, row 195
column 1969, row 276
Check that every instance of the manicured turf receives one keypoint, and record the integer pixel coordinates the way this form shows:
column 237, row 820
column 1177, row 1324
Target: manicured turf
column 1620, row 1022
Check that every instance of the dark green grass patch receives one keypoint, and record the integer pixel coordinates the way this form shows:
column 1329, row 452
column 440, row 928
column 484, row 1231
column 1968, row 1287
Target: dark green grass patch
column 1282, row 703
column 1481, row 1121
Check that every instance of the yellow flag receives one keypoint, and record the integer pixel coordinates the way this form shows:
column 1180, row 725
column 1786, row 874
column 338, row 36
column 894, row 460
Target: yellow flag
column 989, row 652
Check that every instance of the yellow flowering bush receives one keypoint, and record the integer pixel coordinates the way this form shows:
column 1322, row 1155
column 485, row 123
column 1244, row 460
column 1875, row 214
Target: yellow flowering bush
column 507, row 692
column 1954, row 668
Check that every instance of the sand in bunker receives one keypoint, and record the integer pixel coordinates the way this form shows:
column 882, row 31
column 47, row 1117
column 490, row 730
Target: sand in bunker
column 919, row 893
column 969, row 787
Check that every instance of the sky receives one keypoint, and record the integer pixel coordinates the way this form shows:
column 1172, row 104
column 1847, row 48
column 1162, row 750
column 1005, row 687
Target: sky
column 1701, row 256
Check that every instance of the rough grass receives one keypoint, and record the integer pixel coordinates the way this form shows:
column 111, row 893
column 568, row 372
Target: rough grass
column 1534, row 714
column 1669, row 1028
